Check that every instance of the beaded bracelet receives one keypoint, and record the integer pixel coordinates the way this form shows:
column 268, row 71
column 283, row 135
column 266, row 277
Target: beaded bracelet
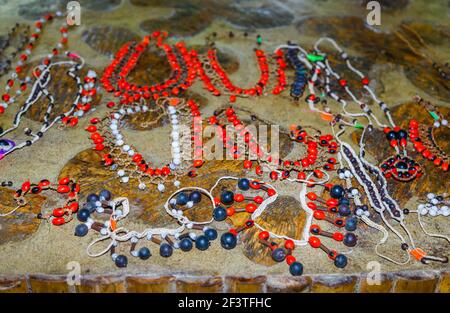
column 59, row 216
column 125, row 160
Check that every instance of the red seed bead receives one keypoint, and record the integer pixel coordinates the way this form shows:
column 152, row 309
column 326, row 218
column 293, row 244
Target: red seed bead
column 250, row 208
column 73, row 207
column 233, row 231
column 365, row 81
column 264, row 235
column 319, row 215
column 230, row 211
column 290, row 259
column 58, row 221
column 338, row 236
column 314, row 242
column 58, row 212
column 63, row 189
column 271, row 192
column 248, row 164
column 311, row 196
column 258, row 199
column 289, row 244
column 312, row 205
column 26, row 186
column 64, row 181
column 239, row 197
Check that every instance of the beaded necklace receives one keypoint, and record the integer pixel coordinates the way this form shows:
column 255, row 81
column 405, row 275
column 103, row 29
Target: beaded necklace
column 38, row 91
column 8, row 97
column 423, row 139
column 7, row 43
column 181, row 78
column 212, row 74
column 124, row 159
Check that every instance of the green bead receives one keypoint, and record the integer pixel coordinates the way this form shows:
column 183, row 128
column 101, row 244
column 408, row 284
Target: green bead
column 434, row 115
column 358, row 125
column 314, row 57
column 259, row 40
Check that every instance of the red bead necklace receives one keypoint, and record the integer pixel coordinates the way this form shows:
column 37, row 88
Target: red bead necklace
column 179, row 58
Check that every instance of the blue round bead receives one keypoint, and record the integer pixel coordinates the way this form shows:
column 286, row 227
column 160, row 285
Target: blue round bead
column 211, row 233
column 337, row 191
column 121, row 261
column 351, row 223
column 186, row 244
column 81, row 230
column 340, row 261
column 296, row 269
column 144, row 253
column 195, row 196
column 344, row 201
column 219, row 213
column 83, row 215
column 105, row 195
column 227, row 197
column 243, row 184
column 344, row 210
column 228, row 241
column 278, row 255
column 182, row 198
column 350, row 240
column 201, row 243
column 92, row 198
column 165, row 250
column 90, row 206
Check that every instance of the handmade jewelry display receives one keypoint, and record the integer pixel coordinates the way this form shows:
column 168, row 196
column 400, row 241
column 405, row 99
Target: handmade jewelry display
column 335, row 190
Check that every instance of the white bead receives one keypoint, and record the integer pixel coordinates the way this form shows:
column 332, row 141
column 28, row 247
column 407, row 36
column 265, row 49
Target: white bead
column 348, row 174
column 142, row 186
column 176, row 183
column 433, row 212
column 103, row 231
column 177, row 161
column 434, row 201
column 130, row 152
column 176, row 149
column 161, row 187
column 116, row 116
column 355, row 192
column 125, row 179
column 114, row 256
column 113, row 126
column 436, row 124
column 120, row 173
column 190, row 204
column 192, row 235
column 430, row 195
column 367, row 213
column 134, row 253
column 144, row 108
column 118, row 212
column 100, row 209
column 175, row 144
column 134, row 240
column 444, row 122
column 119, row 142
column 423, row 211
column 421, row 206
column 341, row 176
column 359, row 212
column 126, row 148
column 172, row 201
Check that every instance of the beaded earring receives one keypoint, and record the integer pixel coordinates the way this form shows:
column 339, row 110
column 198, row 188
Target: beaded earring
column 59, row 216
